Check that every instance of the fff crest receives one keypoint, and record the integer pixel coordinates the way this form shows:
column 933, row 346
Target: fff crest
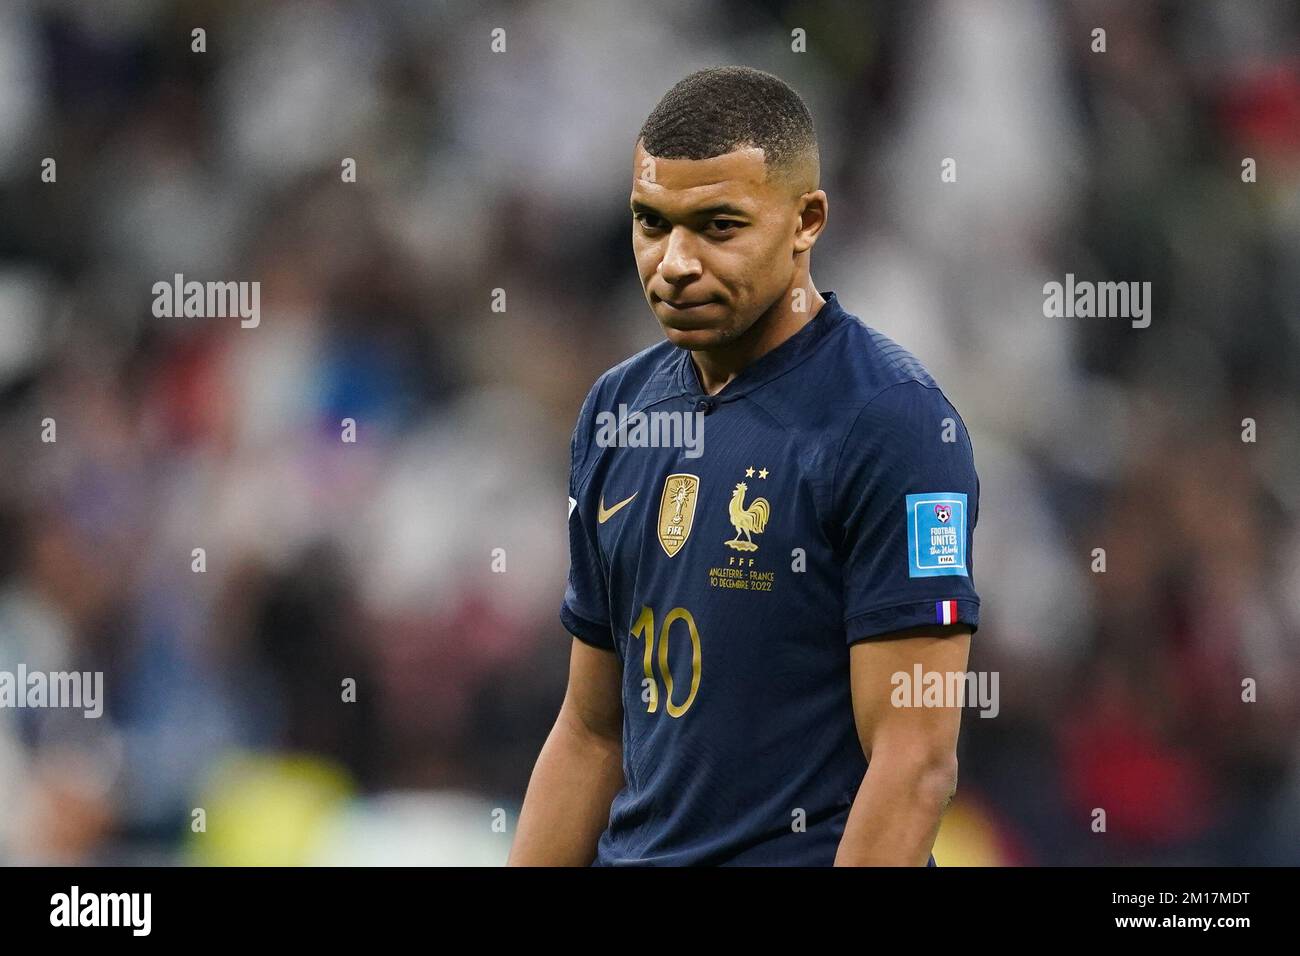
column 677, row 511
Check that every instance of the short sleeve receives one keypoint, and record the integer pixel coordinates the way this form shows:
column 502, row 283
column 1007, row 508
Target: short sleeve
column 906, row 502
column 585, row 610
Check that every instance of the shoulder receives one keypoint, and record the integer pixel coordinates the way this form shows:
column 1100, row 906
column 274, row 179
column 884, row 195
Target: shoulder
column 856, row 373
column 869, row 364
column 633, row 378
column 893, row 410
column 636, row 382
column 883, row 380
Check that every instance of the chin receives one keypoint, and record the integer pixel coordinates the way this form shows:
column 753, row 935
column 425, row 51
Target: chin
column 696, row 339
column 705, row 332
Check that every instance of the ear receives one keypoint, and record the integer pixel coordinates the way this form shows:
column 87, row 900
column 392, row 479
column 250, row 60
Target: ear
column 812, row 208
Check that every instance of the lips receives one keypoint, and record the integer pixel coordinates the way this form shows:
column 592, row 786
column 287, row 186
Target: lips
column 683, row 305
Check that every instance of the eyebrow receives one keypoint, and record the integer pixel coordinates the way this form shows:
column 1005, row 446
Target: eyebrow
column 708, row 211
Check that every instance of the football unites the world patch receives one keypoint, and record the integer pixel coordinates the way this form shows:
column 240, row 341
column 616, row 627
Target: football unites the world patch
column 936, row 535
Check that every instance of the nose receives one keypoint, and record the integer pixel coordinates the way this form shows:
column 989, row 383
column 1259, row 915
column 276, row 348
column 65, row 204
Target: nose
column 678, row 265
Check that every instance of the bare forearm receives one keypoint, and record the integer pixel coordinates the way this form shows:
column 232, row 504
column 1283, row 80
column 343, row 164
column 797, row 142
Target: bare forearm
column 566, row 807
column 895, row 817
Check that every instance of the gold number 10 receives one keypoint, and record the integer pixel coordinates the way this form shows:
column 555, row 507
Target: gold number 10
column 645, row 627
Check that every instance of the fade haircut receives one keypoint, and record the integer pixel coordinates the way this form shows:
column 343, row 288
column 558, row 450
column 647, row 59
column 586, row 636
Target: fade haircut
column 725, row 108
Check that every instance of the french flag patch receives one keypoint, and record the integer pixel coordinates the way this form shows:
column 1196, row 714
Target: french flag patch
column 945, row 612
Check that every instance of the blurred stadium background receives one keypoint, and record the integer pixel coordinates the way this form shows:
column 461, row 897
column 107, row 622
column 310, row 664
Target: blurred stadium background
column 479, row 171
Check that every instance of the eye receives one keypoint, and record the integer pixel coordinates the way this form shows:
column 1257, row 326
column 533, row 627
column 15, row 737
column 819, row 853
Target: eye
column 724, row 225
column 648, row 220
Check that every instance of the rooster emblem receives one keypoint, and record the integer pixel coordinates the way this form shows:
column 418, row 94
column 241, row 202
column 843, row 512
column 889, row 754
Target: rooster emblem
column 747, row 520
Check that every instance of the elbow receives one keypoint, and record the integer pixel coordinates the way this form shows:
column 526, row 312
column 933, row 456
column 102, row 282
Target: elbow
column 938, row 780
column 929, row 773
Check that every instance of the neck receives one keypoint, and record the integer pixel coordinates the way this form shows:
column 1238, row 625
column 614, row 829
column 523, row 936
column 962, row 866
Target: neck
column 717, row 367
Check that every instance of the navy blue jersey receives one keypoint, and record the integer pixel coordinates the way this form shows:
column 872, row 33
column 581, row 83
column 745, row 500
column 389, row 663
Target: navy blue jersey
column 833, row 499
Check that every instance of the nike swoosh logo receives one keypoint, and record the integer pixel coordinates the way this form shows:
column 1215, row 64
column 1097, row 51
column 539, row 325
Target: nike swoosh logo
column 603, row 514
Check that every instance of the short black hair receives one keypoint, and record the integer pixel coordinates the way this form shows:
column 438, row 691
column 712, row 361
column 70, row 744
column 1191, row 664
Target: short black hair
column 725, row 108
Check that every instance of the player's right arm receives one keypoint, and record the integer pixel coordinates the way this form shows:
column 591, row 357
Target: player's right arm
column 580, row 769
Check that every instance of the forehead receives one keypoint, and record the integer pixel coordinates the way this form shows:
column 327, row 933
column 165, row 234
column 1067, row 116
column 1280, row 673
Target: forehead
column 738, row 178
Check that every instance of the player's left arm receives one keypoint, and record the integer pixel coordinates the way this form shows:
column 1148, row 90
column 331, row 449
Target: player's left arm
column 906, row 503
column 912, row 749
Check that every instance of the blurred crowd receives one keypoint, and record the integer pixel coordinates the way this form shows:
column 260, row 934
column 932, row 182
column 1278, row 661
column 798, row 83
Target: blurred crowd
column 423, row 564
